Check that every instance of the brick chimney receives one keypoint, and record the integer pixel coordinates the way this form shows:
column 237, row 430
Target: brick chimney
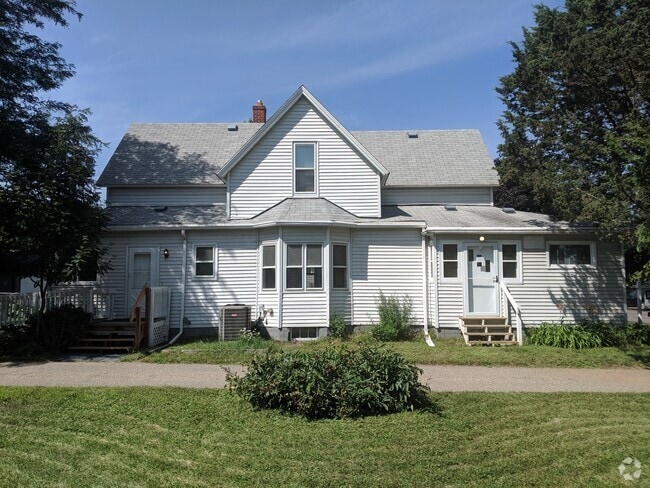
column 259, row 112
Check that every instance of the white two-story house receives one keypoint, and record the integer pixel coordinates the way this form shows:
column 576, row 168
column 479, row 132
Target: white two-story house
column 297, row 217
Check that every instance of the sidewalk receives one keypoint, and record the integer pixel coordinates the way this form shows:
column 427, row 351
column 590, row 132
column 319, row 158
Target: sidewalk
column 439, row 378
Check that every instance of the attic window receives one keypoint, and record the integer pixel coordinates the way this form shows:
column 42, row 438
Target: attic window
column 450, row 206
column 412, row 134
column 233, row 127
column 508, row 210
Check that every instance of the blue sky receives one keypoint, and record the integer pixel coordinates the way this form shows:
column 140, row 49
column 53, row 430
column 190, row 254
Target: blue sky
column 374, row 64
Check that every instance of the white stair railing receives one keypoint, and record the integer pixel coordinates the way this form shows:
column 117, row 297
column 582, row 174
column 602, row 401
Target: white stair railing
column 517, row 311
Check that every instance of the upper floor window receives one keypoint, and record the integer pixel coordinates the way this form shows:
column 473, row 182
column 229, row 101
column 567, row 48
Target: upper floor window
column 304, row 166
column 570, row 254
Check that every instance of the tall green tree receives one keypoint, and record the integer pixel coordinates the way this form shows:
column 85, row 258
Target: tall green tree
column 51, row 214
column 576, row 128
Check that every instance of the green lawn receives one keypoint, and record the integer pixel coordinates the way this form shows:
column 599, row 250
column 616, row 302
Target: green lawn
column 181, row 437
column 447, row 351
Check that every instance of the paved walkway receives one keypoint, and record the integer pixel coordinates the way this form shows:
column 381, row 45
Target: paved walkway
column 439, row 378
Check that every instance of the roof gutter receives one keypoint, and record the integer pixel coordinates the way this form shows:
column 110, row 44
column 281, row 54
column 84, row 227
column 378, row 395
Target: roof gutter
column 508, row 230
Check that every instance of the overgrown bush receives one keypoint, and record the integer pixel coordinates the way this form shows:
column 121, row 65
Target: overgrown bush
column 394, row 318
column 563, row 335
column 59, row 327
column 337, row 325
column 612, row 335
column 336, row 382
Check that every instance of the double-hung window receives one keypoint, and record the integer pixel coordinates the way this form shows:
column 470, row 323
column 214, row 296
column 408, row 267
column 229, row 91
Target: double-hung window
column 204, row 262
column 304, row 168
column 304, row 268
column 268, row 266
column 510, row 262
column 339, row 266
column 450, row 261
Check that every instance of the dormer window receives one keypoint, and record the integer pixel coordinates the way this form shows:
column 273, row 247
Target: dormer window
column 304, row 168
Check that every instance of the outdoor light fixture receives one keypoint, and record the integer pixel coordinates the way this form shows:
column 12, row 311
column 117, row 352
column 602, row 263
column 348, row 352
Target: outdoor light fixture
column 482, row 238
column 166, row 253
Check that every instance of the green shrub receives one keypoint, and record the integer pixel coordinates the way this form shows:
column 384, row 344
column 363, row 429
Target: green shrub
column 59, row 327
column 562, row 335
column 612, row 335
column 337, row 325
column 335, row 382
column 394, row 318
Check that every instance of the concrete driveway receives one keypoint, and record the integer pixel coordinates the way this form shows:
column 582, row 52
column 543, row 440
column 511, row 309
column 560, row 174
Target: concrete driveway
column 439, row 378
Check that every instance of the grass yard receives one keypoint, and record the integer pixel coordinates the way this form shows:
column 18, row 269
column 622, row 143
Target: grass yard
column 447, row 351
column 181, row 437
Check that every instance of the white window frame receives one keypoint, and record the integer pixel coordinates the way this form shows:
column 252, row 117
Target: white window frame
column 520, row 276
column 346, row 267
column 215, row 259
column 459, row 261
column 304, row 265
column 274, row 267
column 592, row 252
column 294, row 169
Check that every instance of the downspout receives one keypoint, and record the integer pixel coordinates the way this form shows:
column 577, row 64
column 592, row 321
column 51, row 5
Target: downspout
column 183, row 274
column 425, row 290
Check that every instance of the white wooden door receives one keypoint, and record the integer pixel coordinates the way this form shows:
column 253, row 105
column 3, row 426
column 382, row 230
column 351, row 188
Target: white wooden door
column 482, row 280
column 143, row 268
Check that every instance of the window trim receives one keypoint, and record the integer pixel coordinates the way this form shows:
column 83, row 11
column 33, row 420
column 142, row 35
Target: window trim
column 274, row 267
column 303, row 266
column 519, row 279
column 294, row 169
column 215, row 259
column 592, row 254
column 459, row 252
column 346, row 267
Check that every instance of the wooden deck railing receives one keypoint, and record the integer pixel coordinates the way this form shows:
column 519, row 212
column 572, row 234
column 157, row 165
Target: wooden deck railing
column 15, row 308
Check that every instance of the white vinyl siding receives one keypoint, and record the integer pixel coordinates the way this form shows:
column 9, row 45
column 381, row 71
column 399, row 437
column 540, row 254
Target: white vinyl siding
column 237, row 267
column 305, row 307
column 389, row 261
column 572, row 293
column 341, row 298
column 427, row 196
column 265, row 176
column 172, row 196
column 543, row 293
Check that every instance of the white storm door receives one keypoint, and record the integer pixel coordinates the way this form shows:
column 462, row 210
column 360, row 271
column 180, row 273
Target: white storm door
column 142, row 269
column 482, row 280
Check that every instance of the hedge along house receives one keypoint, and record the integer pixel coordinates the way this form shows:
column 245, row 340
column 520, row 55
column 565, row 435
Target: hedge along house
column 298, row 218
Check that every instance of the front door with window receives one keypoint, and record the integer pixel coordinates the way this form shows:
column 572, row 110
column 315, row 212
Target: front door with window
column 482, row 280
column 142, row 269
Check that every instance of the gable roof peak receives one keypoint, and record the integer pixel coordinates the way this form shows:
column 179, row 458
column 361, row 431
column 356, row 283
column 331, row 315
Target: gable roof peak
column 300, row 92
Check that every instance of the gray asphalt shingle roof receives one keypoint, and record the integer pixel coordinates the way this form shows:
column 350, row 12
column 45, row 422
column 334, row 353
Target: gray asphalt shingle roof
column 322, row 211
column 305, row 210
column 174, row 154
column 433, row 158
column 185, row 154
column 166, row 217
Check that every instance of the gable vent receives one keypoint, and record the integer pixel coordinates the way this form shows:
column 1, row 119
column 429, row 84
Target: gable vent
column 508, row 210
column 233, row 127
column 450, row 206
column 412, row 134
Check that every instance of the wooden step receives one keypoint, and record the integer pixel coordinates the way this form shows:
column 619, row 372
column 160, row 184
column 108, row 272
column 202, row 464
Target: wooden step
column 471, row 343
column 101, row 348
column 467, row 321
